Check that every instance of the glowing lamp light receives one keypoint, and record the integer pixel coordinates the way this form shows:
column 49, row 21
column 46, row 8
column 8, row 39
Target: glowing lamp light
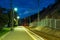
column 18, row 17
column 15, row 9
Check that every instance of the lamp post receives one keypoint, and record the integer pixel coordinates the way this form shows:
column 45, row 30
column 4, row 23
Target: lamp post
column 15, row 9
column 12, row 17
column 12, row 13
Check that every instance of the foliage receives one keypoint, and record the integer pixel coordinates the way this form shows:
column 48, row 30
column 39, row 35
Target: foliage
column 5, row 17
column 4, row 31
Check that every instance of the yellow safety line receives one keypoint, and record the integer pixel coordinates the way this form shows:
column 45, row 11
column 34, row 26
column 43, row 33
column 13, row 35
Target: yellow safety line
column 30, row 34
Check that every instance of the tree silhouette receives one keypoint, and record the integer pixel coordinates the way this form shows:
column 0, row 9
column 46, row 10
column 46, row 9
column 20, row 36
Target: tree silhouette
column 3, row 17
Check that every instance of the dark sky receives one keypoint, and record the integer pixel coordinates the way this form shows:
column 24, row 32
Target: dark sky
column 26, row 7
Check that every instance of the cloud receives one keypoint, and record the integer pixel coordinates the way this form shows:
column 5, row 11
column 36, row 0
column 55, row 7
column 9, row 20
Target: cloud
column 26, row 12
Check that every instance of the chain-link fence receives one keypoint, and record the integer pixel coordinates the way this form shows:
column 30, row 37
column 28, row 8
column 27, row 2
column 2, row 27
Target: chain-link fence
column 52, row 23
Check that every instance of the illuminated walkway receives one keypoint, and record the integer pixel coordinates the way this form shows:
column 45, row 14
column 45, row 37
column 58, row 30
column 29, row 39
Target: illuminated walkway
column 18, row 34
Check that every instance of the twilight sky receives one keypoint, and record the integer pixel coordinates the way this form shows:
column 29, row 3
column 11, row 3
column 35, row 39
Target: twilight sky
column 26, row 7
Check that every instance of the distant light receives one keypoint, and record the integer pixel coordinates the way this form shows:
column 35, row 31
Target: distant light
column 18, row 17
column 15, row 9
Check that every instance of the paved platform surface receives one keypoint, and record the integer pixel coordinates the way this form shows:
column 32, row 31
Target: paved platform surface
column 18, row 34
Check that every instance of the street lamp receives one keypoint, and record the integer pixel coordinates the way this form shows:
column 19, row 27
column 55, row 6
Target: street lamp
column 12, row 18
column 17, row 19
column 15, row 9
column 12, row 13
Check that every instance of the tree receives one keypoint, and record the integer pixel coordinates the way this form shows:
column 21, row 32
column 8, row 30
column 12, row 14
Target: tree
column 3, row 17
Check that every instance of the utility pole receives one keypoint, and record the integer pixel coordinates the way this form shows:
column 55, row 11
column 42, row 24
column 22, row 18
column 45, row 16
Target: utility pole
column 38, row 13
column 11, row 13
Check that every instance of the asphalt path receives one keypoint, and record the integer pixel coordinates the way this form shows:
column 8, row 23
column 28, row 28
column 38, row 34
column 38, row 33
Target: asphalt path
column 18, row 34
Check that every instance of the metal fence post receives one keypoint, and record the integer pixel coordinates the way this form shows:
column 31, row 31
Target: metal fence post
column 50, row 23
column 55, row 23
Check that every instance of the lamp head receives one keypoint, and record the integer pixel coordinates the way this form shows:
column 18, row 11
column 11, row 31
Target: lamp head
column 15, row 9
column 18, row 17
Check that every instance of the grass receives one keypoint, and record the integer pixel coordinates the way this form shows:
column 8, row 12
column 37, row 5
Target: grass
column 4, row 31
